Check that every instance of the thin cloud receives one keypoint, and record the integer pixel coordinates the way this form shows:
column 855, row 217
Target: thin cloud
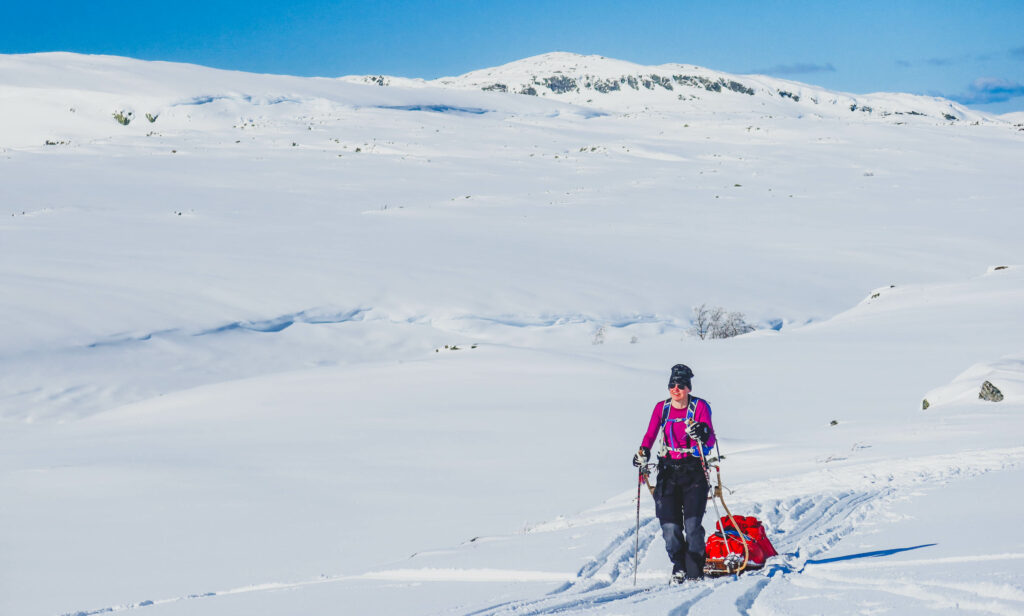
column 800, row 68
column 1016, row 53
column 989, row 90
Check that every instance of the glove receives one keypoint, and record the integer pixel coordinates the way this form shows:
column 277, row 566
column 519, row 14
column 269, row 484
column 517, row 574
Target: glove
column 698, row 431
column 642, row 456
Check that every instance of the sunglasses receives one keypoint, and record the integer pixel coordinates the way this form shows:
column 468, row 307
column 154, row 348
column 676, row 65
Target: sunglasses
column 677, row 386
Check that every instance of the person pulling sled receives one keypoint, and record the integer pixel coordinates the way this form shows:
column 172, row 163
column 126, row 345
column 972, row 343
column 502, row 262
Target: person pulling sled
column 681, row 494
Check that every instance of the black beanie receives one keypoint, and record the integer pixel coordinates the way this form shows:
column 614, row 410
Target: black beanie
column 681, row 375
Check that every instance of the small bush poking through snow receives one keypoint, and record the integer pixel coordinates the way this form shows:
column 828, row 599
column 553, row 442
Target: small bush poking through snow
column 123, row 117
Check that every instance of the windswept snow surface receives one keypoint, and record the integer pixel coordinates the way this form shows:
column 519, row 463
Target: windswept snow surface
column 322, row 346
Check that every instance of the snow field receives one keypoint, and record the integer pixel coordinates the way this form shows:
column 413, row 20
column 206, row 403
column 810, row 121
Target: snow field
column 225, row 387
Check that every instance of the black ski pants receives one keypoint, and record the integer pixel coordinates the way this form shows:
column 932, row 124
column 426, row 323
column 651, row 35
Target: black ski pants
column 680, row 499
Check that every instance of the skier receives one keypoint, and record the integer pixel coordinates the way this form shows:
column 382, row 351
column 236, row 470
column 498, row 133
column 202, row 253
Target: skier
column 682, row 491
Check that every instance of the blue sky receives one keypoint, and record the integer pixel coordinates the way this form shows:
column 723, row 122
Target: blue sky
column 972, row 52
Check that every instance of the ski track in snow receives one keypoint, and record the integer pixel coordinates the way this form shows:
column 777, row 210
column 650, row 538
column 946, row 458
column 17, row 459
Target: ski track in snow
column 801, row 527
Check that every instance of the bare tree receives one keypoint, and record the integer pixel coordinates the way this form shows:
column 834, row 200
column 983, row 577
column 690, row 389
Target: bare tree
column 715, row 322
column 704, row 319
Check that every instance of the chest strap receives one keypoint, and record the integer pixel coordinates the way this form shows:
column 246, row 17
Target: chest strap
column 668, row 443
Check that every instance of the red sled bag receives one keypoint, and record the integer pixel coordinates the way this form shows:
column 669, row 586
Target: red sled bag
column 726, row 554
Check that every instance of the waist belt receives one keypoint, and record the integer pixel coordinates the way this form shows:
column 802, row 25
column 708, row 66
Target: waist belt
column 678, row 463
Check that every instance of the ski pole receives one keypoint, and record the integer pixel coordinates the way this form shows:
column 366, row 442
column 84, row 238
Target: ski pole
column 636, row 545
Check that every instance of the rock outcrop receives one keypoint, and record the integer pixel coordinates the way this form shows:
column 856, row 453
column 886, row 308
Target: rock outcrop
column 990, row 392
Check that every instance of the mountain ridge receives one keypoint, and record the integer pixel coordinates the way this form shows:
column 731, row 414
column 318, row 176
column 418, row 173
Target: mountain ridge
column 61, row 97
column 627, row 86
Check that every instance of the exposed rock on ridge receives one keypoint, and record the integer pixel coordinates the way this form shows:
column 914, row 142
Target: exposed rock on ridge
column 616, row 84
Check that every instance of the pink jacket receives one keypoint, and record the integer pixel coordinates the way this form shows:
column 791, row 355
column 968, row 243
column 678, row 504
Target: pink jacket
column 676, row 430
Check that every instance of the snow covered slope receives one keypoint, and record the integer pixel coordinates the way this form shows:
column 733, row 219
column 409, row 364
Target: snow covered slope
column 616, row 84
column 315, row 346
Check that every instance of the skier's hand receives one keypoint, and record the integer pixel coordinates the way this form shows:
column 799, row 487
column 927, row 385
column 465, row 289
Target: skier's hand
column 641, row 457
column 698, row 431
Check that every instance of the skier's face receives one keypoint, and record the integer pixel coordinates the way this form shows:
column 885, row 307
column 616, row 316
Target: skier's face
column 678, row 393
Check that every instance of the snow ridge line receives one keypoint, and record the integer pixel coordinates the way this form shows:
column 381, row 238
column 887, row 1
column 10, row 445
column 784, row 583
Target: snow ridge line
column 323, row 317
column 272, row 325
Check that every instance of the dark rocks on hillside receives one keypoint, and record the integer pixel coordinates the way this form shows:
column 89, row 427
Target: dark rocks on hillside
column 653, row 80
column 712, row 86
column 697, row 81
column 560, row 84
column 604, row 86
column 785, row 94
column 925, row 404
column 563, row 84
column 990, row 392
column 738, row 87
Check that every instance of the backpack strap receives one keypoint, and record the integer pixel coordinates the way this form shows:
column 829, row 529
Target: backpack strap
column 691, row 409
column 666, row 442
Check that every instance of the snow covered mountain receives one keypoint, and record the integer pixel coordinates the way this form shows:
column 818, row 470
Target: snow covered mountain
column 615, row 84
column 49, row 96
column 276, row 345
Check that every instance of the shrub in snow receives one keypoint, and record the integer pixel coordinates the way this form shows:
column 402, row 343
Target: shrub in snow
column 732, row 324
column 123, row 117
column 715, row 322
column 152, row 117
